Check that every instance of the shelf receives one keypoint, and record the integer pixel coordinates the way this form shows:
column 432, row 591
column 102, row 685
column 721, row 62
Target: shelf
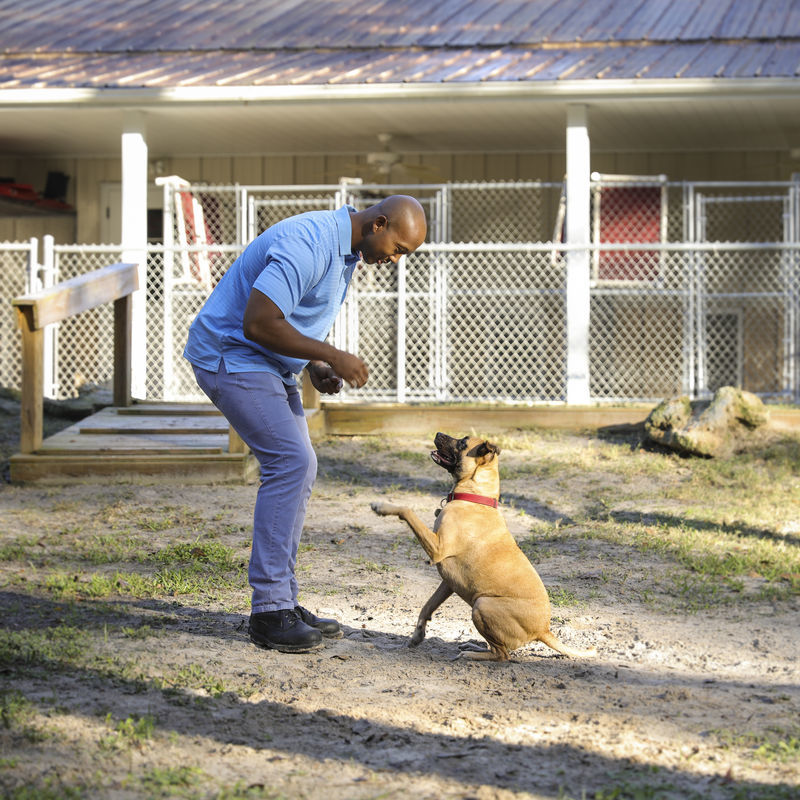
column 19, row 208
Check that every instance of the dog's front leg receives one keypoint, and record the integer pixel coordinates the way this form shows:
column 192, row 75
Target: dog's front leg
column 436, row 599
column 427, row 538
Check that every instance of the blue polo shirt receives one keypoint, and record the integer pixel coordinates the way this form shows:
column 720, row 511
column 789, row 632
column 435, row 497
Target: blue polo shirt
column 304, row 265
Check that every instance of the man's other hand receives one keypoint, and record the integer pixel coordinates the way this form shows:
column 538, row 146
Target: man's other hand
column 323, row 378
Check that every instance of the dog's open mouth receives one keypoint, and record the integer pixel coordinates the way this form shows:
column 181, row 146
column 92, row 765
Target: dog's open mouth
column 442, row 459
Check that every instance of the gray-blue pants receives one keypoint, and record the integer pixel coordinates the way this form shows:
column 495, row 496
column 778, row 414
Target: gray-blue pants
column 269, row 417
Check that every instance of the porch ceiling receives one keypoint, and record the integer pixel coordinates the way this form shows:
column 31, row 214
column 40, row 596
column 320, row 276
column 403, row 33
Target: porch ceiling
column 442, row 122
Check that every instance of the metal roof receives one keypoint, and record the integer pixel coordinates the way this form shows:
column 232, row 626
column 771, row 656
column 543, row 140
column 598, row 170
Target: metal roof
column 164, row 43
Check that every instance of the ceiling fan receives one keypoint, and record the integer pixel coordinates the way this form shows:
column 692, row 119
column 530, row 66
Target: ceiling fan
column 386, row 165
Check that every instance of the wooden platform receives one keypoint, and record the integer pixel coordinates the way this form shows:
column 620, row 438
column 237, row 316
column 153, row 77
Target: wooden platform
column 177, row 443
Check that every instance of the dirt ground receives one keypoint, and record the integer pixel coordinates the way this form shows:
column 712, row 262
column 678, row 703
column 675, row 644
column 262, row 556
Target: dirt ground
column 114, row 688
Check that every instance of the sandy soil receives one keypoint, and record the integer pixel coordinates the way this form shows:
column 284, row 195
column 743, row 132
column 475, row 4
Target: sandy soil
column 674, row 705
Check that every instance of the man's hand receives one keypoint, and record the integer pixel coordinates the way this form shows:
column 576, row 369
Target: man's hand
column 323, row 378
column 349, row 367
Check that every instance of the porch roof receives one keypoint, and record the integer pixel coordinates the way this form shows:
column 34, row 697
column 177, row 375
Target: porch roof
column 328, row 75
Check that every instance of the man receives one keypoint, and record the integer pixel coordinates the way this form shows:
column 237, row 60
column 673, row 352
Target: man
column 267, row 320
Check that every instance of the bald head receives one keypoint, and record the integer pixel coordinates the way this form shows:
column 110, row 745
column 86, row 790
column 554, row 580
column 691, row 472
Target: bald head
column 402, row 209
column 394, row 227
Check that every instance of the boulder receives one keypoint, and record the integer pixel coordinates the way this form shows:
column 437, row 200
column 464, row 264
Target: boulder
column 702, row 428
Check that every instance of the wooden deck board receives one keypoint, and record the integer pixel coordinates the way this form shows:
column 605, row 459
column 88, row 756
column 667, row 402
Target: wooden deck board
column 110, row 421
column 174, row 409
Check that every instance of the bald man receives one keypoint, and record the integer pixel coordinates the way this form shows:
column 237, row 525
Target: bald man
column 267, row 320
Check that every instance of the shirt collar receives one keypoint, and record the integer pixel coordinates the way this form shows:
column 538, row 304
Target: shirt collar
column 342, row 217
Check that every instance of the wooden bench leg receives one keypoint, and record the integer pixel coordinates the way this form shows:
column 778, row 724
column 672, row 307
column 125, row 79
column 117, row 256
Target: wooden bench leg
column 122, row 350
column 235, row 442
column 32, row 399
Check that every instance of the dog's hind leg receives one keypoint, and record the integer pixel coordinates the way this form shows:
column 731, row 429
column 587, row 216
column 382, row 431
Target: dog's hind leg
column 436, row 599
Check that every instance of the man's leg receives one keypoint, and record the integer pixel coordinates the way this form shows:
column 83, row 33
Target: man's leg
column 259, row 407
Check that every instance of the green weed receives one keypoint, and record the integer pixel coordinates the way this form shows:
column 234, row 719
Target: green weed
column 15, row 709
column 562, row 597
column 50, row 789
column 62, row 645
column 132, row 731
column 198, row 553
column 172, row 781
column 193, row 676
column 20, row 549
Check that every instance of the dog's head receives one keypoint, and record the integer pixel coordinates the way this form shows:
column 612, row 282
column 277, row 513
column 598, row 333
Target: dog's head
column 462, row 457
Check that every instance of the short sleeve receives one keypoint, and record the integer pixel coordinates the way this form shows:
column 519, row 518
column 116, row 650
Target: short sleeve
column 293, row 267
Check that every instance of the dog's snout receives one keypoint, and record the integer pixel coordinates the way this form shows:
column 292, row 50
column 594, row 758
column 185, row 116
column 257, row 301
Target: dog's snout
column 442, row 439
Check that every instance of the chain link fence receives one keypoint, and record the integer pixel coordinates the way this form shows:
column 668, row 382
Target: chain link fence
column 692, row 286
column 16, row 261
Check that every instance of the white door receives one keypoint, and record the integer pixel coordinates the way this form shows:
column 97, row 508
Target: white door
column 111, row 213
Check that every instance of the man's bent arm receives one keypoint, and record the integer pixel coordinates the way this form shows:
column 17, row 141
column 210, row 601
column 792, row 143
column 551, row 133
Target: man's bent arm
column 265, row 324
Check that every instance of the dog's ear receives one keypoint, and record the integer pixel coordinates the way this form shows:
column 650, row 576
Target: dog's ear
column 486, row 451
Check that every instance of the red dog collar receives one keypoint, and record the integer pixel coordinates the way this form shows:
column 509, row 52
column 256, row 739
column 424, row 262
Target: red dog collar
column 473, row 498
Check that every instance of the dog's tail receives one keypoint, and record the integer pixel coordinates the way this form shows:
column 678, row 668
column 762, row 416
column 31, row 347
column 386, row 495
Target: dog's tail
column 560, row 647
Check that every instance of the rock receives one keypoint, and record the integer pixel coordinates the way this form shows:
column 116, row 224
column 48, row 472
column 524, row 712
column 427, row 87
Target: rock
column 700, row 428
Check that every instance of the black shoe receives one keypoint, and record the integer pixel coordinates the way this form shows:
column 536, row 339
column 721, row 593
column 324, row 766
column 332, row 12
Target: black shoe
column 329, row 628
column 284, row 631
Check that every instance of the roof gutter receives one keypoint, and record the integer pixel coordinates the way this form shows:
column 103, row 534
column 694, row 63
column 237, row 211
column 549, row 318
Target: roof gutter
column 582, row 91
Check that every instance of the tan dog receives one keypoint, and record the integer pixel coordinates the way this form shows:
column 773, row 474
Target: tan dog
column 478, row 558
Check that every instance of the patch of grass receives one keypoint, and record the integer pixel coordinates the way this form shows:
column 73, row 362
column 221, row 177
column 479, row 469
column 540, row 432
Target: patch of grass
column 17, row 714
column 417, row 457
column 199, row 554
column 770, row 745
column 49, row 789
column 559, row 596
column 193, row 676
column 141, row 632
column 15, row 709
column 133, row 731
column 110, row 547
column 172, row 781
column 62, row 645
column 371, row 566
column 19, row 549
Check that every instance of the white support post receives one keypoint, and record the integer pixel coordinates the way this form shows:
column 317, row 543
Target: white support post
column 578, row 232
column 47, row 279
column 402, row 301
column 134, row 240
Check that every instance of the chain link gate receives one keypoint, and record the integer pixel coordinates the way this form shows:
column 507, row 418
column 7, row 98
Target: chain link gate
column 745, row 303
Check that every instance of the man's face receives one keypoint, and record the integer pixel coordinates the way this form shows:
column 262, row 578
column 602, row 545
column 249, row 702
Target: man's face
column 382, row 244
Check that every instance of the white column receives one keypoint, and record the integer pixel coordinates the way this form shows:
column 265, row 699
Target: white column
column 134, row 238
column 578, row 232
